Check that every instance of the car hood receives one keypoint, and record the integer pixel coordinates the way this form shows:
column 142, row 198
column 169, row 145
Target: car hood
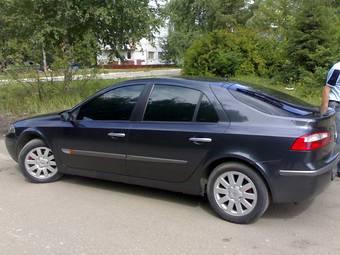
column 39, row 118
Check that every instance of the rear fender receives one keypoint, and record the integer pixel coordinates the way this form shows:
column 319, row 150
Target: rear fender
column 239, row 157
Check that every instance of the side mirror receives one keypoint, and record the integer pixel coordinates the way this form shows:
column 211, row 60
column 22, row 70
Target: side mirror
column 69, row 117
column 65, row 116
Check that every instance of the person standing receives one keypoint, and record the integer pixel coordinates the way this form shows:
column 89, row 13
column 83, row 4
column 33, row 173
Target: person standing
column 331, row 97
column 331, row 91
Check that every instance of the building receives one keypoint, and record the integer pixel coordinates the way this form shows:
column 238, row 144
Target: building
column 145, row 53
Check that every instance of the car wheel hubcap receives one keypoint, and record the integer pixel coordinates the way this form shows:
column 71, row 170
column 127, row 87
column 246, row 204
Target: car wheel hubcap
column 40, row 163
column 235, row 193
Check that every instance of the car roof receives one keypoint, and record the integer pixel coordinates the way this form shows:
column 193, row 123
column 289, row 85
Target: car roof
column 173, row 81
column 219, row 82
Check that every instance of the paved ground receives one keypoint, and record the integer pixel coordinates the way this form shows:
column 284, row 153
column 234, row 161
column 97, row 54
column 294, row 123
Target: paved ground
column 82, row 216
column 112, row 75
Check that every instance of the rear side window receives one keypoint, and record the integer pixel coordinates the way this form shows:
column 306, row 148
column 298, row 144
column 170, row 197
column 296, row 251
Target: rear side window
column 172, row 103
column 116, row 104
column 258, row 104
column 206, row 112
column 269, row 104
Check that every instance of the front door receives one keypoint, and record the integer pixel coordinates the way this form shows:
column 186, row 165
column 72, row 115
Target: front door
column 97, row 142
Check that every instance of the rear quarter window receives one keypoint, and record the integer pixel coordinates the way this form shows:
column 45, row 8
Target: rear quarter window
column 259, row 104
column 206, row 112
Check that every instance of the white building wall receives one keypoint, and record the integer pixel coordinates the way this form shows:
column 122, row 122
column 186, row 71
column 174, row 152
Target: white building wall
column 145, row 53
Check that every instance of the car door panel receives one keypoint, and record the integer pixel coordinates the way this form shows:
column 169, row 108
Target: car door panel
column 88, row 146
column 164, row 145
column 163, row 151
column 97, row 139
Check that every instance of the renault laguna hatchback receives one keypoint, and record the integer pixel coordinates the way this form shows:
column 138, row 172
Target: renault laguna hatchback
column 241, row 146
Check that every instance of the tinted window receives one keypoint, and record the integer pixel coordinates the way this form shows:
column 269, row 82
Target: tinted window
column 269, row 104
column 206, row 112
column 275, row 94
column 171, row 103
column 116, row 104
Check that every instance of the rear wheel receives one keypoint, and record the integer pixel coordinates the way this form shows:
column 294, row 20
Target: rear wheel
column 237, row 193
column 37, row 162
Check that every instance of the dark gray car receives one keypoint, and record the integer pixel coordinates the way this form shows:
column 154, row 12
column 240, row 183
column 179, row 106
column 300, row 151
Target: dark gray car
column 241, row 145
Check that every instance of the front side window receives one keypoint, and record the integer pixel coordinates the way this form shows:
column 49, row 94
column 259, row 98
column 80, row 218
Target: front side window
column 171, row 103
column 116, row 104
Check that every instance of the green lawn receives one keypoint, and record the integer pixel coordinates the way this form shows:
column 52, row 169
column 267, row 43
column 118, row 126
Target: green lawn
column 18, row 100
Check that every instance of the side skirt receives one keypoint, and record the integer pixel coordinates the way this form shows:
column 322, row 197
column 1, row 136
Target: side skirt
column 191, row 187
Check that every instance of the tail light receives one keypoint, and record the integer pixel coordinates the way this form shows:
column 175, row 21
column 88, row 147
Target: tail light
column 312, row 141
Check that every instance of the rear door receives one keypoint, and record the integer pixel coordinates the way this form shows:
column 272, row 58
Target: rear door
column 176, row 131
column 98, row 141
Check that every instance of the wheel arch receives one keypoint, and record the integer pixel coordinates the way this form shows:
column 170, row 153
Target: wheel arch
column 27, row 136
column 238, row 159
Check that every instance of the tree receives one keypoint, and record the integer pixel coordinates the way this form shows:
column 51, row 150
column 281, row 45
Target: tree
column 189, row 19
column 274, row 17
column 61, row 29
column 60, row 33
column 312, row 44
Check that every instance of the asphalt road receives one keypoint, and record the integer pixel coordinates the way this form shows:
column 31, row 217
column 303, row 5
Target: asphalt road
column 83, row 216
column 108, row 76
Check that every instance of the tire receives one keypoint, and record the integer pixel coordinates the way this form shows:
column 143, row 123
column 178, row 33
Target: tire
column 240, row 203
column 37, row 162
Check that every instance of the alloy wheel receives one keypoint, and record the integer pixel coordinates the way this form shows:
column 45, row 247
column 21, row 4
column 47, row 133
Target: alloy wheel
column 40, row 163
column 235, row 193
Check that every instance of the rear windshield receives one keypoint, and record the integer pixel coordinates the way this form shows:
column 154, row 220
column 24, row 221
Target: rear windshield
column 272, row 101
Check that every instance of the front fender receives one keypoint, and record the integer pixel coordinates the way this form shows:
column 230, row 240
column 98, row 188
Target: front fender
column 28, row 134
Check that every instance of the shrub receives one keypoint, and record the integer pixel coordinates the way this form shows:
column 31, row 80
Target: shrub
column 225, row 54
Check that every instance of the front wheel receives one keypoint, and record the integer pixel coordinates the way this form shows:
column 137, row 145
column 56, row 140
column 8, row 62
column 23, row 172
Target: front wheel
column 37, row 162
column 237, row 193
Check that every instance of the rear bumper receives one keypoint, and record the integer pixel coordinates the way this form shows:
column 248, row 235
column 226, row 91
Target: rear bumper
column 329, row 167
column 295, row 186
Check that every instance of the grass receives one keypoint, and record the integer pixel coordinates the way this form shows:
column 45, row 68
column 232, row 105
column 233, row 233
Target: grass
column 20, row 100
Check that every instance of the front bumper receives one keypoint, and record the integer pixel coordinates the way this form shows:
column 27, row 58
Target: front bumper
column 11, row 145
column 296, row 186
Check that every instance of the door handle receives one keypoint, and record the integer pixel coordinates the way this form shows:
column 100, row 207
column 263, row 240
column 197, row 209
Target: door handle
column 200, row 140
column 116, row 135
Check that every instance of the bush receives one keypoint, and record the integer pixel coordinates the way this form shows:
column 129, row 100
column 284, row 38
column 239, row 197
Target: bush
column 226, row 54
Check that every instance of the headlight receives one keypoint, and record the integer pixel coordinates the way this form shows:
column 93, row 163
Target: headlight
column 11, row 129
